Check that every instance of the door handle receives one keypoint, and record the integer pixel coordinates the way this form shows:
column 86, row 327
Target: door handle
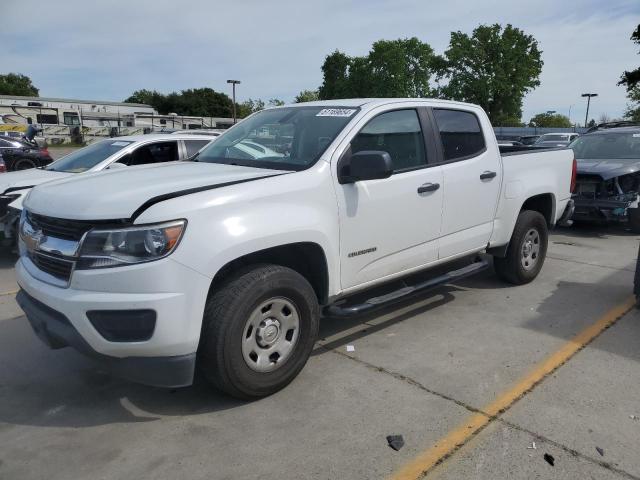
column 428, row 187
column 487, row 175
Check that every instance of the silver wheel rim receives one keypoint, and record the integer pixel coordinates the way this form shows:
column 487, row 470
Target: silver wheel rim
column 270, row 334
column 530, row 249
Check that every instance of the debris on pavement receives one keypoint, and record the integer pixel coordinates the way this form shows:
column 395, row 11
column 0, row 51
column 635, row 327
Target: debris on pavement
column 351, row 348
column 533, row 446
column 549, row 459
column 600, row 451
column 395, row 441
column 634, row 417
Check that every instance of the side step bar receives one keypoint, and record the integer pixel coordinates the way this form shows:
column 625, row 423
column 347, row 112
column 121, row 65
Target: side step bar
column 343, row 309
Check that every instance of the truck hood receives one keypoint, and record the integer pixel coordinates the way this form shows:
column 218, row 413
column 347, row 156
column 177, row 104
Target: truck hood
column 28, row 178
column 117, row 194
column 609, row 168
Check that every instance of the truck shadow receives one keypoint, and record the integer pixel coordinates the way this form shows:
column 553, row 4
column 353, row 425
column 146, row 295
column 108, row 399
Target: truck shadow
column 40, row 387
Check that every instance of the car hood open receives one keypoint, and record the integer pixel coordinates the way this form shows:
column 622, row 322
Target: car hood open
column 119, row 194
column 609, row 168
column 28, row 178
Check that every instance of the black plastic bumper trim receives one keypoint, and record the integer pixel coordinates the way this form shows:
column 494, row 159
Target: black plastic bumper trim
column 56, row 331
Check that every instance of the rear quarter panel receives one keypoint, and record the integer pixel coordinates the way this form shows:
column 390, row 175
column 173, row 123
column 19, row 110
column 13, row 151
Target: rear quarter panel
column 527, row 175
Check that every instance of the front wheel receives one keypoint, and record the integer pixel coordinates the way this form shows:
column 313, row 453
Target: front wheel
column 527, row 249
column 258, row 331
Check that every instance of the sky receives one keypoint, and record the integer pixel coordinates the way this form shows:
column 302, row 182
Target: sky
column 106, row 50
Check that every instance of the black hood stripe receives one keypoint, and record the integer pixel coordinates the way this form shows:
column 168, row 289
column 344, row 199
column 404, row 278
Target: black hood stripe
column 189, row 191
column 15, row 189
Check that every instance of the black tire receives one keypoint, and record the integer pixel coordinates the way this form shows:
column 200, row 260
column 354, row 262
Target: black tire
column 24, row 164
column 512, row 267
column 228, row 310
column 633, row 217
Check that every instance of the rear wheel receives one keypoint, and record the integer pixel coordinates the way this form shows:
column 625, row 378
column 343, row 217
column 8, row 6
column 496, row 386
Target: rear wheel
column 24, row 164
column 527, row 249
column 258, row 331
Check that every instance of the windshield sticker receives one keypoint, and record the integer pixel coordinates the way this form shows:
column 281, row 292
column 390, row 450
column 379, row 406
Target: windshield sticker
column 119, row 144
column 335, row 112
column 636, row 135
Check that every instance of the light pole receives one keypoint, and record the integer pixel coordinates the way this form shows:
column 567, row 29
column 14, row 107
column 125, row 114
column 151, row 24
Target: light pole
column 588, row 95
column 234, row 83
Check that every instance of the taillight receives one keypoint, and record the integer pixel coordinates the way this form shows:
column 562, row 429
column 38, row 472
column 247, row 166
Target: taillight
column 44, row 151
column 3, row 167
column 574, row 172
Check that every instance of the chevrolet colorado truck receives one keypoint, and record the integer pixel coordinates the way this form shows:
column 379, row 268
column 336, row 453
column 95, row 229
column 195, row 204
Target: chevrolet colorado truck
column 226, row 262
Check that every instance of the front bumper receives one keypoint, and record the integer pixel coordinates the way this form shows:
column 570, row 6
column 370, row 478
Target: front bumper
column 174, row 292
column 56, row 331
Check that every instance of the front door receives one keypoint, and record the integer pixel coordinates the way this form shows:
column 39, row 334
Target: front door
column 389, row 226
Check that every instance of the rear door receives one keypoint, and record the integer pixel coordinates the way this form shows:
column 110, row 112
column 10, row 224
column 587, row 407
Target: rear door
column 391, row 225
column 472, row 174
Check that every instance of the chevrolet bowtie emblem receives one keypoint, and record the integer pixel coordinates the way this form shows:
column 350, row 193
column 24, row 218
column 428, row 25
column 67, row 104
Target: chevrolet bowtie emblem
column 32, row 237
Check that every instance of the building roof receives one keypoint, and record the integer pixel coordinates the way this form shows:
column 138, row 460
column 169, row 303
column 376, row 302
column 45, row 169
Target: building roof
column 73, row 100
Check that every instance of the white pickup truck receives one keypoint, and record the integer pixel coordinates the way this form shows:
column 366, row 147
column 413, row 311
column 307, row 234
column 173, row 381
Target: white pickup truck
column 227, row 262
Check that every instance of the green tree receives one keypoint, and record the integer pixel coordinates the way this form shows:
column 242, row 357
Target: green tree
column 511, row 122
column 307, row 96
column 250, row 106
column 17, row 84
column 392, row 68
column 401, row 68
column 335, row 71
column 633, row 108
column 199, row 102
column 494, row 68
column 550, row 120
column 632, row 79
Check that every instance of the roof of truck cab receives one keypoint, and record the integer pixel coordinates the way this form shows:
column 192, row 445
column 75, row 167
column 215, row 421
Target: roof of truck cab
column 160, row 136
column 371, row 102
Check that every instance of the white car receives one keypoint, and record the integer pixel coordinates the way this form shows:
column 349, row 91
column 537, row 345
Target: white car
column 102, row 155
column 228, row 261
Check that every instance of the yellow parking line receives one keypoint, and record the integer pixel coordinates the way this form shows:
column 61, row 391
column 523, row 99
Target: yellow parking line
column 11, row 292
column 434, row 455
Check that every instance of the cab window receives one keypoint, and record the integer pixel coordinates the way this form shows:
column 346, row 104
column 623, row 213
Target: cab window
column 460, row 134
column 399, row 134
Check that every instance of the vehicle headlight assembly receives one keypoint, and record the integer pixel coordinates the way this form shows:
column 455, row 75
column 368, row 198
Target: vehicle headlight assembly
column 126, row 246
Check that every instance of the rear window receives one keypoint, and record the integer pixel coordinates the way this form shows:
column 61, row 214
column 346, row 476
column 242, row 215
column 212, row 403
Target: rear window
column 460, row 134
column 607, row 146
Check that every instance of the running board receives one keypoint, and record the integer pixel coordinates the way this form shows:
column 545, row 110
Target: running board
column 342, row 309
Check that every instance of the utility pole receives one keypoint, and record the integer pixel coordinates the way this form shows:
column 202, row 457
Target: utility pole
column 588, row 95
column 234, row 83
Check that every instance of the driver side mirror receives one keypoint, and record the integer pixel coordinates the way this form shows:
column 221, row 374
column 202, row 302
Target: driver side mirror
column 364, row 165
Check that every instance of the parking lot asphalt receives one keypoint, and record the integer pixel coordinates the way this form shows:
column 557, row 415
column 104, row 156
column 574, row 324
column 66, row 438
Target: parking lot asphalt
column 424, row 369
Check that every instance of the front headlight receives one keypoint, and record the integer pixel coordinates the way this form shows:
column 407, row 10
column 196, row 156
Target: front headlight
column 126, row 246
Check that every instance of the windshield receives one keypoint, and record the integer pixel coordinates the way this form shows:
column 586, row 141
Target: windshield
column 290, row 138
column 608, row 145
column 88, row 157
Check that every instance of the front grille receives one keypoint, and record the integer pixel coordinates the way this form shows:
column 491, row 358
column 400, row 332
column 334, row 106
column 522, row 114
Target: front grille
column 57, row 267
column 59, row 228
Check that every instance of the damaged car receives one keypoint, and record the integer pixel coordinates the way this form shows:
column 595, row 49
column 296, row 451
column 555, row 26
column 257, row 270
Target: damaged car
column 608, row 176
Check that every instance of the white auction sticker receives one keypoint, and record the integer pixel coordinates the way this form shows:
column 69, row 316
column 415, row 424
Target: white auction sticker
column 335, row 112
column 636, row 135
column 120, row 144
